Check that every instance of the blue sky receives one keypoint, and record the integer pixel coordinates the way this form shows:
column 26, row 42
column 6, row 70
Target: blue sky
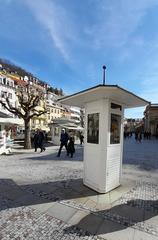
column 66, row 43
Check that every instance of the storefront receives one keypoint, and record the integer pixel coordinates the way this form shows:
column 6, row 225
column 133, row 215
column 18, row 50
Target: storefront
column 8, row 127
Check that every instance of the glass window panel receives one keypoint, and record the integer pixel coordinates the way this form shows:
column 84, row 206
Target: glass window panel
column 115, row 129
column 93, row 128
column 116, row 106
column 56, row 131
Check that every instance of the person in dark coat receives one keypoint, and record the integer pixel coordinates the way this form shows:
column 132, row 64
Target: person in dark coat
column 136, row 136
column 41, row 138
column 139, row 137
column 71, row 147
column 64, row 137
column 81, row 139
column 36, row 140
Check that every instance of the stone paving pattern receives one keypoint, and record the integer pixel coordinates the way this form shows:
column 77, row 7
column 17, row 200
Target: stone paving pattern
column 25, row 223
column 42, row 197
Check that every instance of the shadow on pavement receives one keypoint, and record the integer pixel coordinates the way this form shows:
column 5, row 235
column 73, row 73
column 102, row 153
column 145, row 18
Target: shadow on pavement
column 78, row 156
column 118, row 217
column 13, row 195
column 113, row 219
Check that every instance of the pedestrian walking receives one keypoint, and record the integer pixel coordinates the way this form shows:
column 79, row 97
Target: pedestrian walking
column 64, row 137
column 81, row 139
column 139, row 137
column 71, row 147
column 136, row 136
column 36, row 140
column 41, row 138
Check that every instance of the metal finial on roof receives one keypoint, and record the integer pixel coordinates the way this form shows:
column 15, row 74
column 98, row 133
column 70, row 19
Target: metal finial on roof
column 104, row 67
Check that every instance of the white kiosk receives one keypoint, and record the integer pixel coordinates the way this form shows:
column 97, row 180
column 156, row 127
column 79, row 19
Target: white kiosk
column 104, row 111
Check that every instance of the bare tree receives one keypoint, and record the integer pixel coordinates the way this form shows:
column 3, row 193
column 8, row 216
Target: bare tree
column 28, row 99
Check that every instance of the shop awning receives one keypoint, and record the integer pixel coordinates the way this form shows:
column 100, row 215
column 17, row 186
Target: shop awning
column 70, row 127
column 43, row 128
column 12, row 121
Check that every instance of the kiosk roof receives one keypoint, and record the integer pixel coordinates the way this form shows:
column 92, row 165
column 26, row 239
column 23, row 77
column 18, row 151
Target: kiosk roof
column 113, row 92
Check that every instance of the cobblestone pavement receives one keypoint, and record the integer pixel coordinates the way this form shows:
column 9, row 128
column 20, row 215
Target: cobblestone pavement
column 24, row 223
column 33, row 178
column 138, row 198
column 143, row 155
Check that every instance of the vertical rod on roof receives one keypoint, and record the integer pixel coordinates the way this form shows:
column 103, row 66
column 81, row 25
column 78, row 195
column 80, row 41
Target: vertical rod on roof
column 104, row 67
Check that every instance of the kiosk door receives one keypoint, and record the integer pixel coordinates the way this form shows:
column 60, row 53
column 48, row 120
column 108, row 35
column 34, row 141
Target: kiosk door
column 114, row 148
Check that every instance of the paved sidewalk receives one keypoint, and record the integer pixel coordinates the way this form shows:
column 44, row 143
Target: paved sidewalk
column 43, row 197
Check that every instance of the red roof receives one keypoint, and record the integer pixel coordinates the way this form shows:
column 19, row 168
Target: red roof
column 19, row 81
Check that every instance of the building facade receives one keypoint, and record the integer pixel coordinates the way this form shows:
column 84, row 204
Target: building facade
column 7, row 89
column 151, row 119
column 75, row 114
column 11, row 83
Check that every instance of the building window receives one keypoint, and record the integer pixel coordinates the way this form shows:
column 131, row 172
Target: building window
column 56, row 131
column 3, row 94
column 93, row 128
column 116, row 106
column 10, row 95
column 115, row 129
column 4, row 81
column 11, row 84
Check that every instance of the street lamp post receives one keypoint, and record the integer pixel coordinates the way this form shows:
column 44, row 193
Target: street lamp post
column 104, row 67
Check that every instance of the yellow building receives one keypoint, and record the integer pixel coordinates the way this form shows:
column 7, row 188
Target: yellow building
column 41, row 121
column 54, row 109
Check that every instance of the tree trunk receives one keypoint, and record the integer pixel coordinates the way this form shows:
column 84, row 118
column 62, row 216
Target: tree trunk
column 27, row 140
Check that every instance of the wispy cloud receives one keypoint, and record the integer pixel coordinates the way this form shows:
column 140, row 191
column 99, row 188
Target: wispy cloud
column 115, row 22
column 114, row 26
column 55, row 20
column 149, row 74
column 85, row 36
column 150, row 88
column 8, row 1
column 118, row 21
column 148, row 78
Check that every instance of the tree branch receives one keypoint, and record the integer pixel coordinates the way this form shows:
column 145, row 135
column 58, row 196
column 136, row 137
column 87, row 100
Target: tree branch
column 10, row 108
column 16, row 110
column 37, row 114
column 27, row 105
column 34, row 102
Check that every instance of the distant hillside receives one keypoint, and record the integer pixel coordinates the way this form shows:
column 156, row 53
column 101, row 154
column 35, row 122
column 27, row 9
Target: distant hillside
column 12, row 68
